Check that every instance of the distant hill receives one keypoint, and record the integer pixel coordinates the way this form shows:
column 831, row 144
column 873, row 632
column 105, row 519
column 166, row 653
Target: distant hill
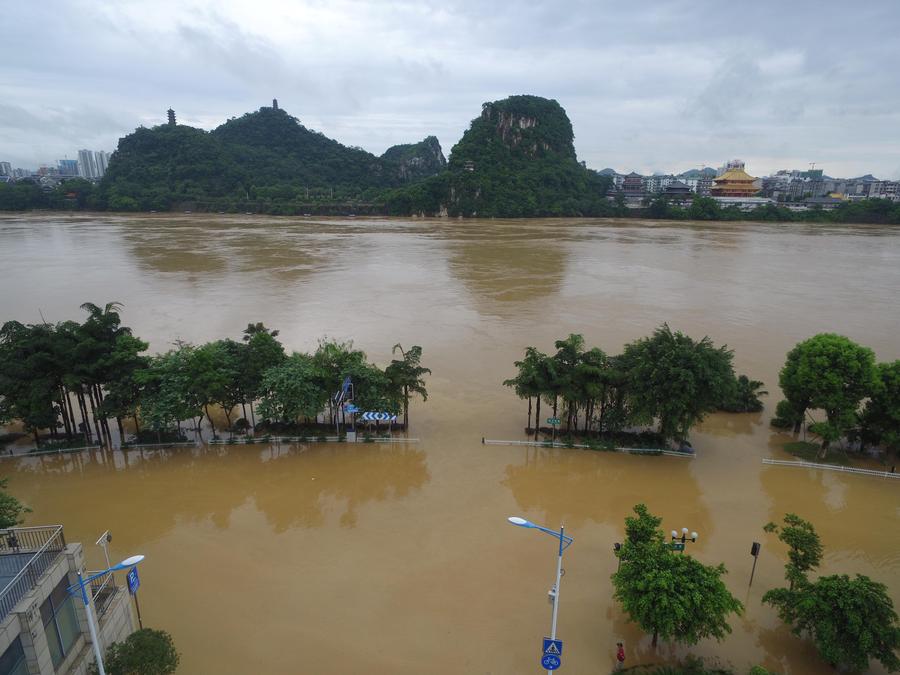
column 264, row 156
column 868, row 178
column 516, row 159
column 707, row 171
column 607, row 172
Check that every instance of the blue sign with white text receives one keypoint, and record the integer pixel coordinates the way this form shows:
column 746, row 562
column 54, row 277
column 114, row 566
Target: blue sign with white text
column 550, row 662
column 133, row 581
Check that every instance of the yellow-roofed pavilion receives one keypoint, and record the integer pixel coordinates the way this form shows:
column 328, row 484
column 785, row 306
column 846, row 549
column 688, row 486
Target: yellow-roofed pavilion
column 734, row 183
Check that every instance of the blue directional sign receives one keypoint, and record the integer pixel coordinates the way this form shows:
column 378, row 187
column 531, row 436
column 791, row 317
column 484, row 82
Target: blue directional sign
column 350, row 408
column 134, row 581
column 552, row 647
column 378, row 417
column 550, row 662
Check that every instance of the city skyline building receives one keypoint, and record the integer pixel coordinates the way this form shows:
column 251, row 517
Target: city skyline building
column 6, row 169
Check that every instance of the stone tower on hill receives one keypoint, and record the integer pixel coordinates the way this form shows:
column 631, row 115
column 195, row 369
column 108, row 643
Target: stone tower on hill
column 171, row 114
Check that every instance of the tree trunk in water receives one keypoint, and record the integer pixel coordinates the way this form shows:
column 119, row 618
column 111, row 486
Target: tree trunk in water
column 121, row 429
column 137, row 425
column 94, row 415
column 37, row 439
column 529, row 413
column 227, row 417
column 554, row 405
column 82, row 412
column 405, row 407
column 655, row 637
column 252, row 417
column 211, row 423
column 68, row 396
column 244, row 408
column 537, row 419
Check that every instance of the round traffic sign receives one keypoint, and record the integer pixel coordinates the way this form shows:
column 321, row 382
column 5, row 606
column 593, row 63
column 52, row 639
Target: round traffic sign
column 550, row 662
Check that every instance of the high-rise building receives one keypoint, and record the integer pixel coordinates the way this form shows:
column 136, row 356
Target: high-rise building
column 6, row 169
column 68, row 167
column 87, row 167
column 102, row 158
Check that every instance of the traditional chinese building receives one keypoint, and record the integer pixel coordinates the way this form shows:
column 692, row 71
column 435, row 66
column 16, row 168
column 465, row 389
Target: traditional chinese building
column 735, row 182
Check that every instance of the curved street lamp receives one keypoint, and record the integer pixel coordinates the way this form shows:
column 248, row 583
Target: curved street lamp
column 564, row 543
column 82, row 583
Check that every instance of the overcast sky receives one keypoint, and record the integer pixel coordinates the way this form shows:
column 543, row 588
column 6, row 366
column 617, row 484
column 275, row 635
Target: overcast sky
column 652, row 86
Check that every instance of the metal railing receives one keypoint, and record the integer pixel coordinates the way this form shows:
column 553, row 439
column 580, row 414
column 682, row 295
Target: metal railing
column 559, row 444
column 103, row 591
column 832, row 467
column 31, row 551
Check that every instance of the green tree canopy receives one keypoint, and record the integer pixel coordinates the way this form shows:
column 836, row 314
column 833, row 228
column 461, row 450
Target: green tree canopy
column 670, row 595
column 828, row 372
column 881, row 417
column 676, row 379
column 851, row 621
column 144, row 652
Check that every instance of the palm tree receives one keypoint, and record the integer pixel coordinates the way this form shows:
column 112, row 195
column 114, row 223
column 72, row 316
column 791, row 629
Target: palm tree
column 527, row 383
column 567, row 358
column 406, row 376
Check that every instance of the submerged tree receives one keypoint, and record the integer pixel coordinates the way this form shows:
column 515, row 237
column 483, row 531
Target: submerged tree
column 851, row 621
column 670, row 595
column 12, row 511
column 405, row 377
column 828, row 372
column 675, row 379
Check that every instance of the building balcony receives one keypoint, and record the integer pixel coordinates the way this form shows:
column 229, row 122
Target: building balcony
column 25, row 554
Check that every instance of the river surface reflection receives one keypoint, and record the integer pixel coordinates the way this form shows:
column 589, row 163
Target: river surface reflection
column 398, row 558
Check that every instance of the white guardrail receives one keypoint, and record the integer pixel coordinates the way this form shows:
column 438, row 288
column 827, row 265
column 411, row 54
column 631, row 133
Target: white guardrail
column 557, row 444
column 831, row 467
column 310, row 439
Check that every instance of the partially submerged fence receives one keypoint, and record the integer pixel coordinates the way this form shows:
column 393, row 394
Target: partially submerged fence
column 557, row 444
column 831, row 467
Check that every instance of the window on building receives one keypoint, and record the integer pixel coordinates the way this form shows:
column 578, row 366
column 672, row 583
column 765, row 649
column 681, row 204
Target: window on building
column 13, row 660
column 60, row 622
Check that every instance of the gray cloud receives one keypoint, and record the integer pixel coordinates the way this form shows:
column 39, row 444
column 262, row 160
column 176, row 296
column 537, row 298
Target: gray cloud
column 656, row 86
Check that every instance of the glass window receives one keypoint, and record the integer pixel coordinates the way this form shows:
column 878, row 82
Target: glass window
column 13, row 660
column 60, row 622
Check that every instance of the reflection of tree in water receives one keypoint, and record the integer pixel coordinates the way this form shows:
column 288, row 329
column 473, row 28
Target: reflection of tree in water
column 156, row 490
column 506, row 267
column 300, row 486
column 575, row 486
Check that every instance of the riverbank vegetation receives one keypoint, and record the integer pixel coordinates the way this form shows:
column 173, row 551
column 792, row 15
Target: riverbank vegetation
column 859, row 397
column 850, row 621
column 668, row 381
column 72, row 379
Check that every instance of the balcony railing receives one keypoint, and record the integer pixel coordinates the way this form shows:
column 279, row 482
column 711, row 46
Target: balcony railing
column 103, row 591
column 25, row 554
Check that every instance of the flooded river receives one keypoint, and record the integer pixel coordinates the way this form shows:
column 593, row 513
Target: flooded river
column 399, row 559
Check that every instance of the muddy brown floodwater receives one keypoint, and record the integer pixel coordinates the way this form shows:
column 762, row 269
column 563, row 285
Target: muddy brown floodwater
column 399, row 559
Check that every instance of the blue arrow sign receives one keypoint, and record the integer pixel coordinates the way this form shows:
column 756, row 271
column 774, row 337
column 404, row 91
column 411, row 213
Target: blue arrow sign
column 378, row 417
column 552, row 647
column 550, row 662
column 134, row 581
column 350, row 408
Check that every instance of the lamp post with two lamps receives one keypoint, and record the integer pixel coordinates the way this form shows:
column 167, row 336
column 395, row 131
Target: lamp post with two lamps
column 564, row 543
column 82, row 585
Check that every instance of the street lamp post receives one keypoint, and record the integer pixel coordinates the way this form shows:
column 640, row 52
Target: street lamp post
column 82, row 585
column 683, row 539
column 564, row 543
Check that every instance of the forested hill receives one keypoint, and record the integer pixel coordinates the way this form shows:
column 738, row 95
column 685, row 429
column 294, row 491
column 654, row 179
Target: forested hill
column 262, row 157
column 516, row 159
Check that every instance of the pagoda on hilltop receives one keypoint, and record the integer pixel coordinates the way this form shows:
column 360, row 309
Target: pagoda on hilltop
column 734, row 182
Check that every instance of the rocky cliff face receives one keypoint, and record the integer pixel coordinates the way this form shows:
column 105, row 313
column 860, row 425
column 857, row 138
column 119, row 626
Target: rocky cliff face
column 516, row 159
column 416, row 161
